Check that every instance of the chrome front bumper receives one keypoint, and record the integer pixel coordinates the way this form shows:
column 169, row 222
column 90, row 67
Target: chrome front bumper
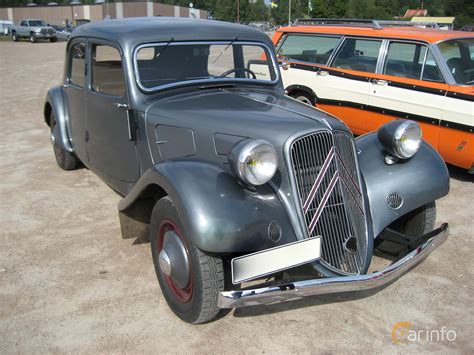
column 300, row 289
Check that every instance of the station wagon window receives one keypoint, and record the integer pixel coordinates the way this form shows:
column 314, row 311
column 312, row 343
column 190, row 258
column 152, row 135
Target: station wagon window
column 171, row 64
column 311, row 49
column 431, row 71
column 107, row 72
column 459, row 57
column 78, row 64
column 358, row 54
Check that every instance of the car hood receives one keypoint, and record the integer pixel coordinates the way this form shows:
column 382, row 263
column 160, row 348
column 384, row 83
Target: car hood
column 253, row 114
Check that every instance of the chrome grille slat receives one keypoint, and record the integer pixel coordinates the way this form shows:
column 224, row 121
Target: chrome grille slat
column 321, row 161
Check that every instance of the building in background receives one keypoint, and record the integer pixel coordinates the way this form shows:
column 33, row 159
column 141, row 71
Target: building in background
column 445, row 23
column 76, row 14
column 415, row 12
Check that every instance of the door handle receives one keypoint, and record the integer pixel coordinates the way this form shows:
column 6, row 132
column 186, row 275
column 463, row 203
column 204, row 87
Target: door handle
column 379, row 82
column 120, row 105
column 322, row 73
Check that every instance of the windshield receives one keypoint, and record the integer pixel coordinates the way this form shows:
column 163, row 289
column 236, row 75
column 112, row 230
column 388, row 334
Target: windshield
column 37, row 23
column 169, row 64
column 459, row 56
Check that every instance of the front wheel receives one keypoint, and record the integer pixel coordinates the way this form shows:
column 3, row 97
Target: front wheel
column 189, row 278
column 413, row 225
column 53, row 39
column 33, row 38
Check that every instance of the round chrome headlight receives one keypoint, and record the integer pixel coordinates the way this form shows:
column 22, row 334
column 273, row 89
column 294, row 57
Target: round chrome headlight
column 401, row 138
column 254, row 161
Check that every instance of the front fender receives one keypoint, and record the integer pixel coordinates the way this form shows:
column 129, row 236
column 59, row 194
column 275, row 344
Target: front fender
column 419, row 180
column 218, row 214
column 59, row 136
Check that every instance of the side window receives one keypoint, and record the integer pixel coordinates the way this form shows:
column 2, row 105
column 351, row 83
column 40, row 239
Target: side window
column 358, row 54
column 23, row 23
column 78, row 64
column 405, row 60
column 431, row 71
column 312, row 49
column 107, row 71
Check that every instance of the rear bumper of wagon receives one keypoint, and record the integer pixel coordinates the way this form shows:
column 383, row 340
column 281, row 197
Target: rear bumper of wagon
column 300, row 289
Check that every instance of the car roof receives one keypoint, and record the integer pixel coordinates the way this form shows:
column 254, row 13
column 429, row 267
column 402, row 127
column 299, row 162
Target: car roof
column 429, row 35
column 131, row 32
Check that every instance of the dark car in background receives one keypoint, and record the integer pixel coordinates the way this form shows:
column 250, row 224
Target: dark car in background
column 62, row 33
column 234, row 182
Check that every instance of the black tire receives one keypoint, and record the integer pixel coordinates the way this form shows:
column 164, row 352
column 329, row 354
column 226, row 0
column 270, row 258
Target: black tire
column 15, row 37
column 65, row 159
column 418, row 222
column 303, row 97
column 414, row 224
column 207, row 273
column 53, row 39
column 33, row 38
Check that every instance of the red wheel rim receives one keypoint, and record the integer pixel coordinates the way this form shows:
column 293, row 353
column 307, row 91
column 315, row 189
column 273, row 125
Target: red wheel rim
column 183, row 295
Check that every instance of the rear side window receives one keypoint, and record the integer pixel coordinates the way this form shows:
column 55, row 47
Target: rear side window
column 411, row 60
column 311, row 49
column 358, row 54
column 78, row 64
column 430, row 70
column 405, row 60
column 107, row 71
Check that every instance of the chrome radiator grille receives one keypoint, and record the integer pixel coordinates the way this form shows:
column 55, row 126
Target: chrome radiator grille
column 325, row 171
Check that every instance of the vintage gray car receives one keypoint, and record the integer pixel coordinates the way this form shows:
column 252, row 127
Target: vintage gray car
column 230, row 179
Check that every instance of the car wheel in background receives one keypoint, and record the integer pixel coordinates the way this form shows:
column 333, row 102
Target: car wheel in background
column 33, row 38
column 190, row 279
column 15, row 37
column 53, row 39
column 65, row 159
column 303, row 97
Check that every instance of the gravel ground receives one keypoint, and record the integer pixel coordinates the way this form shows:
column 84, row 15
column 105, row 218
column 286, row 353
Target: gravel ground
column 68, row 282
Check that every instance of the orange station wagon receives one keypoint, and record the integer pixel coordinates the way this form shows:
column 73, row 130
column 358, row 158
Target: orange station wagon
column 370, row 72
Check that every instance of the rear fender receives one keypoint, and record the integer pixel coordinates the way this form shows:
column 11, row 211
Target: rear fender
column 419, row 180
column 218, row 214
column 55, row 103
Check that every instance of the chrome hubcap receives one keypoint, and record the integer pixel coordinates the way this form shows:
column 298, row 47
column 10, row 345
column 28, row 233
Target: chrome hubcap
column 165, row 263
column 304, row 100
column 173, row 259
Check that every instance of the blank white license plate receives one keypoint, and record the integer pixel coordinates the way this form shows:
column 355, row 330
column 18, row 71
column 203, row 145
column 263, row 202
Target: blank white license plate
column 269, row 261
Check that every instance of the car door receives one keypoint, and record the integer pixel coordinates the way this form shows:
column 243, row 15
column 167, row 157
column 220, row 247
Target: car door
column 110, row 142
column 410, row 86
column 345, row 85
column 456, row 143
column 75, row 96
column 306, row 55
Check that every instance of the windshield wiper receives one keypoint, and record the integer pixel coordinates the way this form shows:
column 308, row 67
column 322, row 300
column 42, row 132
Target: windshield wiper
column 221, row 53
column 164, row 47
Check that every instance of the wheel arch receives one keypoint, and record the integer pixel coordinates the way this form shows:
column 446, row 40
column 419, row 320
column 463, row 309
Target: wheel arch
column 302, row 88
column 218, row 213
column 54, row 103
column 47, row 113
